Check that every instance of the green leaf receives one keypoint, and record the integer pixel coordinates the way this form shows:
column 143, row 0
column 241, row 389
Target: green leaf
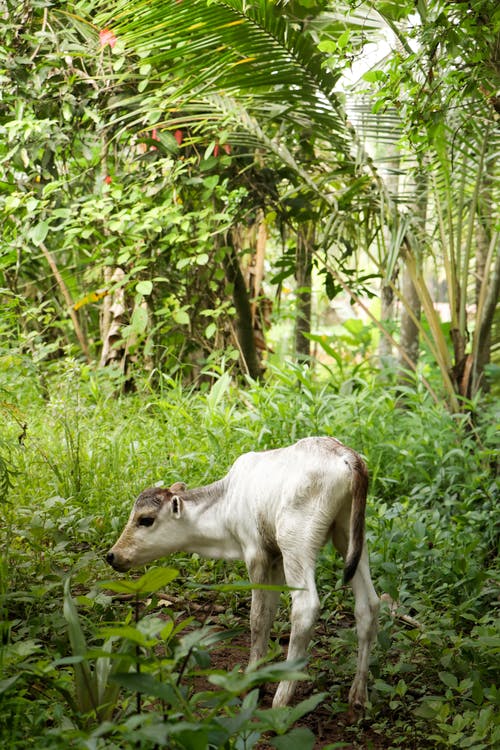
column 146, row 684
column 427, row 711
column 144, row 287
column 85, row 684
column 343, row 39
column 328, row 46
column 152, row 581
column 300, row 738
column 202, row 259
column 322, row 340
column 211, row 181
column 139, row 321
column 38, row 233
column 6, row 684
column 181, row 317
column 372, row 76
column 449, row 679
column 210, row 330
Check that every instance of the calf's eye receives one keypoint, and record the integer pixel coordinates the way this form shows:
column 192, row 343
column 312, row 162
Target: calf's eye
column 145, row 521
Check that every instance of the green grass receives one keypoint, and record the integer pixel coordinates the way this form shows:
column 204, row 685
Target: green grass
column 85, row 453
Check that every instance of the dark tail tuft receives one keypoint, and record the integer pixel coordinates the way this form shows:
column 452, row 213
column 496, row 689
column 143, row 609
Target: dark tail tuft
column 358, row 508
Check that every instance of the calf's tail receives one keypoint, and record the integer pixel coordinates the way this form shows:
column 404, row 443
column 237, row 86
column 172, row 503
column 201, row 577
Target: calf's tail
column 357, row 522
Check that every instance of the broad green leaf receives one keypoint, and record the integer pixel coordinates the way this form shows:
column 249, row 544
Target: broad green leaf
column 85, row 683
column 210, row 330
column 211, row 182
column 300, row 738
column 146, row 684
column 202, row 259
column 449, row 679
column 282, row 718
column 144, row 287
column 129, row 633
column 152, row 581
column 6, row 684
column 181, row 317
column 373, row 75
column 38, row 233
column 139, row 321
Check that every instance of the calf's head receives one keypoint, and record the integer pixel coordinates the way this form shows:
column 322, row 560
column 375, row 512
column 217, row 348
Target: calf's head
column 150, row 531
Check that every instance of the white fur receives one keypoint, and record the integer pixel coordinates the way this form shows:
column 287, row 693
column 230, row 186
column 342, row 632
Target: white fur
column 275, row 510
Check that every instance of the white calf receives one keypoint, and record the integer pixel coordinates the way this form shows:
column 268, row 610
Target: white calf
column 275, row 510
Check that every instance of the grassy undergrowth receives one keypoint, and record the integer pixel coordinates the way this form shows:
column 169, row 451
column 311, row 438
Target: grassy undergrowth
column 70, row 468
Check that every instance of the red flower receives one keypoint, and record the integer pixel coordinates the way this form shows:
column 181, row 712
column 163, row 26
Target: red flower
column 225, row 147
column 106, row 36
column 179, row 136
column 108, row 180
column 155, row 137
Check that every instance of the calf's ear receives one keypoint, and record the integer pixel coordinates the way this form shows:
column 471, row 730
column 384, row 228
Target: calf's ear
column 177, row 487
column 177, row 506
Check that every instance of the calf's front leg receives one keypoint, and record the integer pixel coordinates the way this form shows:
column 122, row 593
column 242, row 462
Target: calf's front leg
column 263, row 570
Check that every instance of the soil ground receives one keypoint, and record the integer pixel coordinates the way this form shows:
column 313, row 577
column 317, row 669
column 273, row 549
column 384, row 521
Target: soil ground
column 329, row 728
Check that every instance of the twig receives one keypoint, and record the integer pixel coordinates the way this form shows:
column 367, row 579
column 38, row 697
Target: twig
column 69, row 302
column 393, row 609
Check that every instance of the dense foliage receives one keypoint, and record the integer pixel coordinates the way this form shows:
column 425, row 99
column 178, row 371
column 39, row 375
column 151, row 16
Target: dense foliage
column 153, row 171
column 216, row 237
column 76, row 462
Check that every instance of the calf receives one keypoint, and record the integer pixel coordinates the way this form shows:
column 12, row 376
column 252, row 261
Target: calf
column 275, row 510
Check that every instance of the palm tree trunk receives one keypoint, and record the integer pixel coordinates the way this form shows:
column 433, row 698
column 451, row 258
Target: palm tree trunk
column 244, row 329
column 487, row 284
column 409, row 331
column 303, row 275
column 387, row 285
column 411, row 310
column 486, row 312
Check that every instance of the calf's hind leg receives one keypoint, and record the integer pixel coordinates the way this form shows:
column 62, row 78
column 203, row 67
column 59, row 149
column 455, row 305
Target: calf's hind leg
column 299, row 574
column 366, row 607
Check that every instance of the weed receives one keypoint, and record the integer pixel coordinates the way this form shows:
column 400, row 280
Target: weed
column 85, row 455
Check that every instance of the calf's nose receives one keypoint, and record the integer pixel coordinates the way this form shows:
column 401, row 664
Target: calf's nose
column 110, row 558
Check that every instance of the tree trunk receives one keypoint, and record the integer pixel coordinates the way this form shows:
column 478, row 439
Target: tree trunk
column 411, row 310
column 484, row 324
column 112, row 321
column 487, row 283
column 303, row 275
column 409, row 333
column 386, row 317
column 244, row 329
column 387, row 291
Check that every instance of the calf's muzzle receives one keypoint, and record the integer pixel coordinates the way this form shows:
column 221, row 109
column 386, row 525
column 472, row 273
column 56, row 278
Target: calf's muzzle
column 116, row 562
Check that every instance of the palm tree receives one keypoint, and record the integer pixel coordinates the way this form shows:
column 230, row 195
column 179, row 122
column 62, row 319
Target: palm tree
column 253, row 70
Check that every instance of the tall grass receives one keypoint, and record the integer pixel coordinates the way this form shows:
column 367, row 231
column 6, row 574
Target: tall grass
column 85, row 454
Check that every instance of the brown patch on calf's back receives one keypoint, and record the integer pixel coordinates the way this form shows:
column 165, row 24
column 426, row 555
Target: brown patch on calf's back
column 335, row 445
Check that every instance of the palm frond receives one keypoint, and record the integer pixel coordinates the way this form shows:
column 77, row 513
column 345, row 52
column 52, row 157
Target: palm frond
column 224, row 48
